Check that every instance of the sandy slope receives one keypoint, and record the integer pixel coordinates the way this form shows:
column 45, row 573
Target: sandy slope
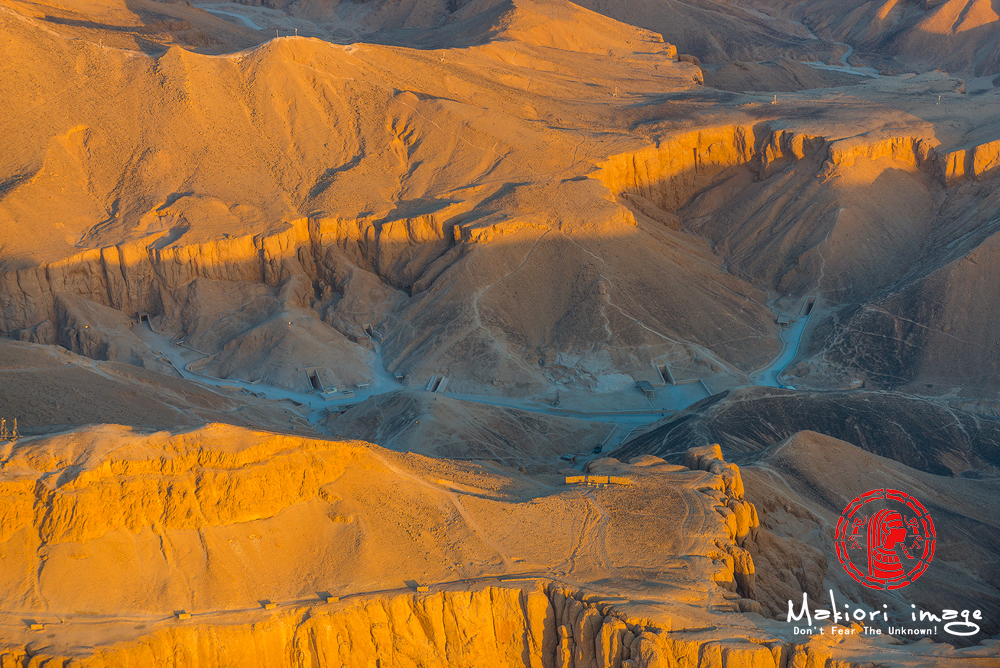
column 139, row 25
column 49, row 389
column 803, row 484
column 435, row 425
column 916, row 432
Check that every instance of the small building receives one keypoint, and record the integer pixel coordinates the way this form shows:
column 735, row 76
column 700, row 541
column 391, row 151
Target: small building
column 646, row 388
column 783, row 321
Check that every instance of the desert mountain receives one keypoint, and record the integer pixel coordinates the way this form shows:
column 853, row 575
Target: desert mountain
column 288, row 203
column 904, row 35
column 433, row 333
column 265, row 183
column 819, row 476
column 894, row 36
column 913, row 431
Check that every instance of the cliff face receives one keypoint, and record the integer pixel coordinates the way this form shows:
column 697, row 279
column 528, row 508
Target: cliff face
column 891, row 231
column 975, row 162
column 546, row 625
column 346, row 278
column 139, row 277
column 648, row 566
column 804, row 213
column 730, row 183
column 230, row 498
column 674, row 169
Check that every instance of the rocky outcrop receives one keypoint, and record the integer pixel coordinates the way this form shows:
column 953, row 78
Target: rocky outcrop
column 672, row 170
column 974, row 162
column 188, row 487
column 740, row 516
column 914, row 151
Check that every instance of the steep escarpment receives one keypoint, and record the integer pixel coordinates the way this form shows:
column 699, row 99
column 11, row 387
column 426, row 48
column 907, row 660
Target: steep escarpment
column 538, row 624
column 453, row 221
column 95, row 495
column 898, row 229
column 789, row 207
column 929, row 331
column 675, row 168
column 141, row 276
column 977, row 162
column 588, row 311
column 806, row 206
column 755, row 192
column 233, row 298
column 800, row 212
column 213, row 519
column 682, row 163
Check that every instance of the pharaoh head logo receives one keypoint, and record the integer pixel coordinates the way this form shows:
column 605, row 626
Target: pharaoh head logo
column 885, row 539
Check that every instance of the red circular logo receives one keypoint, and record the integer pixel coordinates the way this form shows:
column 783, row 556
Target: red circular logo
column 885, row 539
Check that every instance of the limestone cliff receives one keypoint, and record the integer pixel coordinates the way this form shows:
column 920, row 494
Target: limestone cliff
column 536, row 625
